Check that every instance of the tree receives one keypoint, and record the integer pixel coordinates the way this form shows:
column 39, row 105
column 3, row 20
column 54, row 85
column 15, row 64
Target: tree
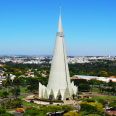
column 20, row 81
column 13, row 103
column 79, row 81
column 103, row 74
column 32, row 84
column 110, row 83
column 5, row 94
column 51, row 97
column 84, row 87
column 73, row 96
column 91, row 107
column 15, row 91
column 94, row 82
column 8, row 80
column 59, row 97
column 4, row 82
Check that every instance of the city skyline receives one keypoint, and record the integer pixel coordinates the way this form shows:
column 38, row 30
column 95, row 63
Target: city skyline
column 29, row 27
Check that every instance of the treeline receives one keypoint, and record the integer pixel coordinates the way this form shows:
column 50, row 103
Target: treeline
column 100, row 86
column 45, row 66
column 102, row 68
column 21, row 69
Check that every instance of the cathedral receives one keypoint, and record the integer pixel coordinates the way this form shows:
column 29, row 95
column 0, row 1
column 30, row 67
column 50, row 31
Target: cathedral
column 59, row 84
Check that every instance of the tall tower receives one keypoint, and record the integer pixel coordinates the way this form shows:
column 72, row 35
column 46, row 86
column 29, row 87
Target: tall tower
column 59, row 79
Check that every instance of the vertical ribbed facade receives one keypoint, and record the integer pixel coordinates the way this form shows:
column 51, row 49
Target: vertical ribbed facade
column 59, row 79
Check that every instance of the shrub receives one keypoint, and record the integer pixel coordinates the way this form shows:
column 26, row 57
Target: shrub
column 4, row 113
column 31, row 101
column 67, row 108
column 2, row 110
column 71, row 114
column 5, row 94
column 89, row 100
column 113, row 104
column 13, row 103
column 84, row 87
column 92, row 107
column 54, row 108
column 33, row 112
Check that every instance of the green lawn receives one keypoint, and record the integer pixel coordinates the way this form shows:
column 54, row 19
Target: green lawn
column 21, row 97
column 22, row 90
column 28, row 104
column 25, row 105
column 112, row 98
column 100, row 97
column 94, row 89
column 104, row 98
column 3, row 90
column 14, row 109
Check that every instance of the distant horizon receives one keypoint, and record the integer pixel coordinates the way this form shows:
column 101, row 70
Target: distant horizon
column 29, row 27
column 50, row 55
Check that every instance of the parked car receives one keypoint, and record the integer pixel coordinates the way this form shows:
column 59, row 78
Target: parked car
column 20, row 110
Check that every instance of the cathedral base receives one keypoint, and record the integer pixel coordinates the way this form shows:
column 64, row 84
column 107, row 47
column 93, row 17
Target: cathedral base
column 57, row 94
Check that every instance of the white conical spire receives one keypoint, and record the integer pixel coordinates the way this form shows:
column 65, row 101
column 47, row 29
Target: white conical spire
column 59, row 79
column 60, row 30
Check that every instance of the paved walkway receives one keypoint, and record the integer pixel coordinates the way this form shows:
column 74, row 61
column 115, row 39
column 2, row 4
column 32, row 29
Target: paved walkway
column 5, row 99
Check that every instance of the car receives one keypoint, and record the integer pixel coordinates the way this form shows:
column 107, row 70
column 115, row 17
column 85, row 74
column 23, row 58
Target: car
column 20, row 110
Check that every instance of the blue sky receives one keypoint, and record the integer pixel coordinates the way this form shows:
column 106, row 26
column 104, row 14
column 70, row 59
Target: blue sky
column 28, row 27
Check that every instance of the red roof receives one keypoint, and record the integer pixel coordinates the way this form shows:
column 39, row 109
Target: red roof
column 111, row 112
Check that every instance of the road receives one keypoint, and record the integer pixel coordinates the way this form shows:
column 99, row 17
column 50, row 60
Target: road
column 5, row 99
column 17, row 113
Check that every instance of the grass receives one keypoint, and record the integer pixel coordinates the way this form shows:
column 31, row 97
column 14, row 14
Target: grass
column 8, row 110
column 104, row 98
column 3, row 90
column 112, row 98
column 100, row 97
column 94, row 89
column 28, row 104
column 25, row 105
column 22, row 90
column 21, row 97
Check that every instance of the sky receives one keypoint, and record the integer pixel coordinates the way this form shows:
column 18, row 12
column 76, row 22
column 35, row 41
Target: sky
column 28, row 27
